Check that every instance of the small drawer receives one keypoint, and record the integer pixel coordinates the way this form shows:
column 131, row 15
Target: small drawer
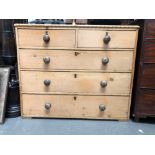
column 106, row 39
column 70, row 106
column 148, row 76
column 75, row 83
column 106, row 61
column 149, row 52
column 42, row 38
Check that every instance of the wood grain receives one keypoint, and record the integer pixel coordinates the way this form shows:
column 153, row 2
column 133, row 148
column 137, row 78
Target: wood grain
column 76, row 70
column 94, row 38
column 133, row 71
column 34, row 38
column 149, row 51
column 146, row 103
column 84, row 83
column 81, row 107
column 143, row 104
column 76, row 60
column 67, row 26
column 148, row 76
column 149, row 30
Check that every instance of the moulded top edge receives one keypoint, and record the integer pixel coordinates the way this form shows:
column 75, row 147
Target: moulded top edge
column 78, row 26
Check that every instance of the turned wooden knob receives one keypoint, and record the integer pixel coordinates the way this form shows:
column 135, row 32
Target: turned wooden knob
column 47, row 106
column 105, row 60
column 106, row 38
column 102, row 107
column 47, row 82
column 103, row 83
column 46, row 37
column 46, row 59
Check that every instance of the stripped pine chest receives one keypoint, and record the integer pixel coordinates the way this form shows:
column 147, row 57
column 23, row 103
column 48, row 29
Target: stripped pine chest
column 83, row 71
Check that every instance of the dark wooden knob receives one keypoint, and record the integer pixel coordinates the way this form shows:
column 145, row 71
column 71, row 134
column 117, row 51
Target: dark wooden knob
column 47, row 82
column 46, row 37
column 46, row 59
column 102, row 107
column 47, row 106
column 105, row 60
column 106, row 38
column 103, row 83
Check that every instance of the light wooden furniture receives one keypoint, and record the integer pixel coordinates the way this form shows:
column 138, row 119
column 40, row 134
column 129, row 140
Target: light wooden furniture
column 79, row 71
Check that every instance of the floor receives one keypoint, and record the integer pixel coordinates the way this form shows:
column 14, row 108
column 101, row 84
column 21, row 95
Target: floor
column 19, row 126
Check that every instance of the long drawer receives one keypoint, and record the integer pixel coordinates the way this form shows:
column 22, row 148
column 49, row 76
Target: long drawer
column 95, row 39
column 32, row 38
column 69, row 106
column 76, row 82
column 107, row 61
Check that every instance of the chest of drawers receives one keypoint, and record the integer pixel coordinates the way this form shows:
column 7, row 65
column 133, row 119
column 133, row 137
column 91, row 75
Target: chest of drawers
column 81, row 71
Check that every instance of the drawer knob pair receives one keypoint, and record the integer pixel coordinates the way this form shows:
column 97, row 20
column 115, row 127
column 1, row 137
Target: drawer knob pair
column 46, row 59
column 102, row 107
column 47, row 82
column 47, row 106
column 106, row 38
column 105, row 60
column 103, row 83
column 46, row 37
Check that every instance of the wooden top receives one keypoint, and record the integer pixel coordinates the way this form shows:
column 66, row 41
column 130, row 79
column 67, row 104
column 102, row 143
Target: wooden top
column 78, row 26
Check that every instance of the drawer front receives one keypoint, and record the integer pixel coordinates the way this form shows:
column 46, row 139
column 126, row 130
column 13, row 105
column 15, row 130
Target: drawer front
column 28, row 38
column 146, row 102
column 149, row 52
column 76, row 60
column 149, row 29
column 118, row 39
column 148, row 76
column 69, row 106
column 76, row 82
